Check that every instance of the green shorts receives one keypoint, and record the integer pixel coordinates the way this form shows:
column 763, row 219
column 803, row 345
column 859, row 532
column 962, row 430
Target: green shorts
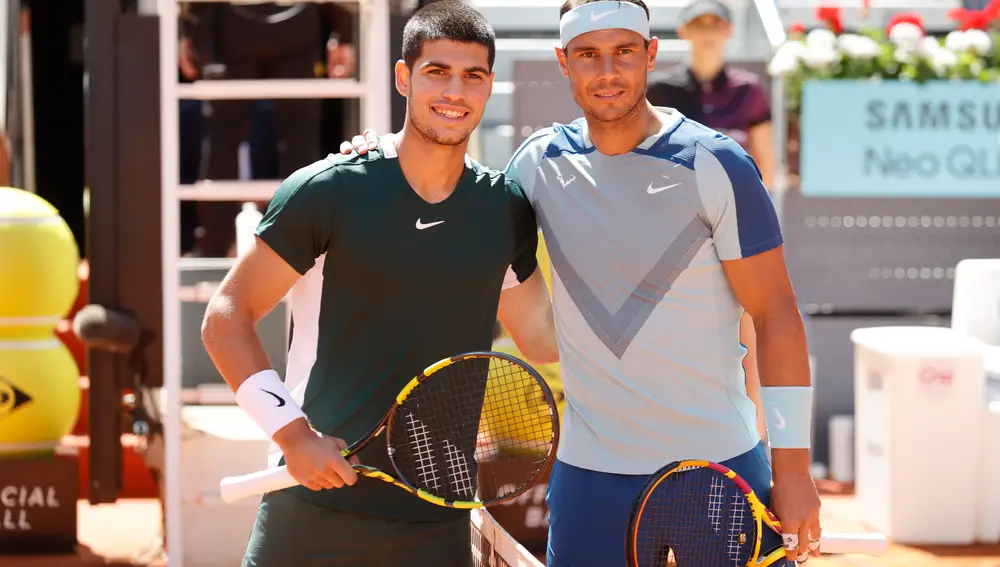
column 291, row 532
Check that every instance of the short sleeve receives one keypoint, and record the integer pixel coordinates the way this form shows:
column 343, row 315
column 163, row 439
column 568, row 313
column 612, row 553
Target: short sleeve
column 738, row 207
column 525, row 229
column 758, row 106
column 298, row 224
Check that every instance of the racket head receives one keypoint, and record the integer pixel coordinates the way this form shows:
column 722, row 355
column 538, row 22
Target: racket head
column 473, row 430
column 702, row 512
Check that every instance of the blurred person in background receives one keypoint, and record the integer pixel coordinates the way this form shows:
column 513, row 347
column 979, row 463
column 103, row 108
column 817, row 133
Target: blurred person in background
column 261, row 41
column 726, row 99
column 709, row 91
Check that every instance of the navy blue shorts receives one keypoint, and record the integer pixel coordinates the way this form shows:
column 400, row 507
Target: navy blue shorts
column 589, row 511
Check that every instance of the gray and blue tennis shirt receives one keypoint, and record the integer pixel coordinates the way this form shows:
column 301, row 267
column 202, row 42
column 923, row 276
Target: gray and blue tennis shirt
column 648, row 326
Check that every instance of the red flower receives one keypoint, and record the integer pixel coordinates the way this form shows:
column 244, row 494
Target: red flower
column 992, row 11
column 970, row 19
column 830, row 15
column 797, row 28
column 908, row 18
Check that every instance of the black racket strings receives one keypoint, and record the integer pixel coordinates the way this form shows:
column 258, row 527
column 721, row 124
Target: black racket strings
column 700, row 517
column 464, row 414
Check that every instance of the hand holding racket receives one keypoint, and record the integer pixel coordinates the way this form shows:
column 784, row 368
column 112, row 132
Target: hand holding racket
column 795, row 500
column 460, row 411
column 315, row 460
column 705, row 515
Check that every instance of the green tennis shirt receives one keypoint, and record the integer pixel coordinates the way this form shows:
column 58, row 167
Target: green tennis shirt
column 391, row 284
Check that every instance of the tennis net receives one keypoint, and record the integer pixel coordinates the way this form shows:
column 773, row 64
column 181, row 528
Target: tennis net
column 492, row 546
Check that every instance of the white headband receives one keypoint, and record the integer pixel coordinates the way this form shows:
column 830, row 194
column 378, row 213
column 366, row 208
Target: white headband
column 604, row 15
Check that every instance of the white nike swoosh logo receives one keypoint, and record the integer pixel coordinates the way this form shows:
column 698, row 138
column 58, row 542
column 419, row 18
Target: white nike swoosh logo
column 595, row 17
column 654, row 190
column 780, row 422
column 421, row 226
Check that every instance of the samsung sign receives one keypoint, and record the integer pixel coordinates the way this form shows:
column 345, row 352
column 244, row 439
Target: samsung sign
column 899, row 139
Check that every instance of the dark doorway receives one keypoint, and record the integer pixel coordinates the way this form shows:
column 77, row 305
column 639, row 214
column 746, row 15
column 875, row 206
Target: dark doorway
column 57, row 77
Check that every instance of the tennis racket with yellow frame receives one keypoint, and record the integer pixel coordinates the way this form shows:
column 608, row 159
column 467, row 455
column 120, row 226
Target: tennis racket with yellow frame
column 703, row 514
column 458, row 413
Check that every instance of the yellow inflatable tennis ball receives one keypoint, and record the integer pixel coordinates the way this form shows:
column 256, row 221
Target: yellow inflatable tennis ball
column 39, row 396
column 38, row 265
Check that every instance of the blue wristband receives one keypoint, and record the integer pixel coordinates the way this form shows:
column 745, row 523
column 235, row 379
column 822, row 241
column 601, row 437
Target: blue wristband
column 788, row 413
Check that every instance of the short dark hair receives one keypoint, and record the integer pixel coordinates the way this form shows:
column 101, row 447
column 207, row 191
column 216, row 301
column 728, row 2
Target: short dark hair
column 449, row 20
column 571, row 4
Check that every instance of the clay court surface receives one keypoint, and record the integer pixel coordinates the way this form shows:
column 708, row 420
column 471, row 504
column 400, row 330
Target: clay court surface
column 113, row 535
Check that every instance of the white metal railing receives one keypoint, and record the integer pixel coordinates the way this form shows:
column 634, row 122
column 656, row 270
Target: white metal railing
column 373, row 90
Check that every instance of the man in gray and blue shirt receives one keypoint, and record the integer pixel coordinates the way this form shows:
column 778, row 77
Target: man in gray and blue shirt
column 661, row 234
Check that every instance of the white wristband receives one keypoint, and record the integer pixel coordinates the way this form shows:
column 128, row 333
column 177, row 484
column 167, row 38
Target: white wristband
column 788, row 413
column 264, row 397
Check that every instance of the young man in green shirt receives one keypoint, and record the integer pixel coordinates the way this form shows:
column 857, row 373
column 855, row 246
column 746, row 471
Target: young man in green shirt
column 394, row 260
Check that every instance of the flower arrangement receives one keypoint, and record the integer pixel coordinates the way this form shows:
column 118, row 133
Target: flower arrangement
column 902, row 51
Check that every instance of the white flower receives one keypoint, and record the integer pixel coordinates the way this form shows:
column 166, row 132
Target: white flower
column 904, row 55
column 820, row 57
column 787, row 58
column 782, row 66
column 858, row 46
column 910, row 51
column 943, row 60
column 928, row 46
column 791, row 48
column 956, row 41
column 820, row 49
column 821, row 38
column 906, row 35
column 978, row 41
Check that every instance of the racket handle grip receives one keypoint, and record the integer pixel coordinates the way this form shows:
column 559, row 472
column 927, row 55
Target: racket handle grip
column 233, row 488
column 873, row 544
